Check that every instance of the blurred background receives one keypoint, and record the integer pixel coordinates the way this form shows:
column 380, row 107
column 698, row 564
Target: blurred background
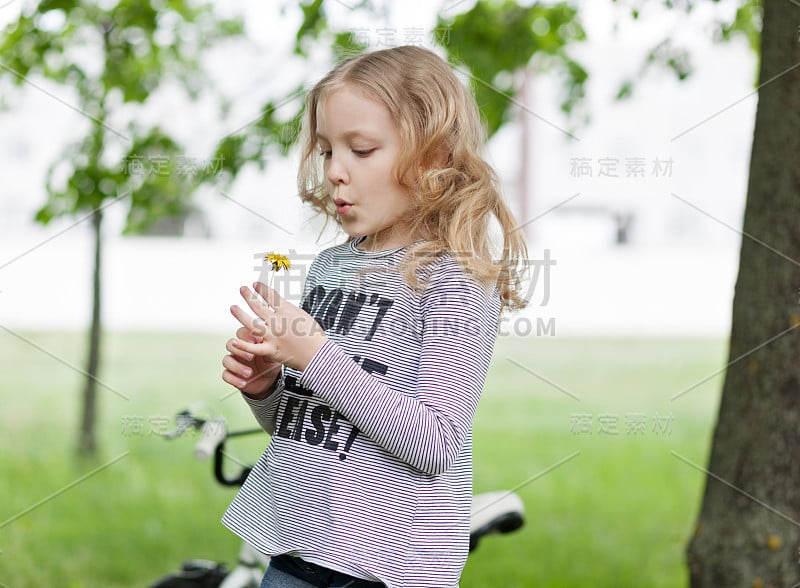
column 622, row 143
column 614, row 200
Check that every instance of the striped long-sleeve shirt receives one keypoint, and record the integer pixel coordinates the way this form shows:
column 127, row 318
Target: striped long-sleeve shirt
column 369, row 468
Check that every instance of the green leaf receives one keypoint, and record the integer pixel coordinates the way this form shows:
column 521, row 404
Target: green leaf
column 497, row 40
column 345, row 45
column 747, row 23
column 314, row 22
column 625, row 90
column 44, row 215
column 48, row 5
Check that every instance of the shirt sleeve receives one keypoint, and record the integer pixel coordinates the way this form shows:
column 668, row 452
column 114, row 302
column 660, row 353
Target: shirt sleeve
column 425, row 426
column 265, row 410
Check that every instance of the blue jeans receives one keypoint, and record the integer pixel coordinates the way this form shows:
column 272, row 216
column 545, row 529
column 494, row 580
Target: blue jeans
column 285, row 571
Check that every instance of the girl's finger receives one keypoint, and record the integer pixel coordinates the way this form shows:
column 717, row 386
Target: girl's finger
column 245, row 347
column 256, row 302
column 246, row 334
column 235, row 367
column 270, row 296
column 255, row 326
column 235, row 349
column 263, row 349
column 234, row 380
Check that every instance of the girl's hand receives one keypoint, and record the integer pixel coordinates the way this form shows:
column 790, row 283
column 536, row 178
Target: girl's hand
column 252, row 374
column 281, row 332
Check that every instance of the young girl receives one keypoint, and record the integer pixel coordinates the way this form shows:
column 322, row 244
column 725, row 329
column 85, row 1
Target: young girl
column 369, row 387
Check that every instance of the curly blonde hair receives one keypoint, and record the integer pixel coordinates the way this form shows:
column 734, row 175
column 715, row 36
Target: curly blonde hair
column 454, row 191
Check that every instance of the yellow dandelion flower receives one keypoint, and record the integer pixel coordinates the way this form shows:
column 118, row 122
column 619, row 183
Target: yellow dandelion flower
column 278, row 261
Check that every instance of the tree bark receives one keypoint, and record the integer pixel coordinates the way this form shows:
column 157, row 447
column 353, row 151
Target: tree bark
column 748, row 528
column 87, row 442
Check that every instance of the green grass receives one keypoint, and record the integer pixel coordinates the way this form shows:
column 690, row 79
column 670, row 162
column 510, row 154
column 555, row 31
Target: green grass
column 616, row 513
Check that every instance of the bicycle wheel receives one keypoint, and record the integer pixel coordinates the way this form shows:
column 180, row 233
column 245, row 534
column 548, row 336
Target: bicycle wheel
column 194, row 574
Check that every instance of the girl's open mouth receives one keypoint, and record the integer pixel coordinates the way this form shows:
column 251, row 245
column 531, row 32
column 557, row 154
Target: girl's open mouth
column 342, row 207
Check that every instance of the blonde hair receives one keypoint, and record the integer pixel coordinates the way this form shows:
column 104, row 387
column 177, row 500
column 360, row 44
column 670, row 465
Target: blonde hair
column 454, row 190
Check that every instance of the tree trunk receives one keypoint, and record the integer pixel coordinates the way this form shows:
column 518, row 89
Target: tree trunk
column 748, row 529
column 87, row 443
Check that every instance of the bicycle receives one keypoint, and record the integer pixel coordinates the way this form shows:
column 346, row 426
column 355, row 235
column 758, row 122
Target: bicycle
column 497, row 512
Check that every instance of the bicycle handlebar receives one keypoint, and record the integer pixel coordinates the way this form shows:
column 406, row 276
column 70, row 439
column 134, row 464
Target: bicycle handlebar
column 213, row 434
column 494, row 512
column 219, row 474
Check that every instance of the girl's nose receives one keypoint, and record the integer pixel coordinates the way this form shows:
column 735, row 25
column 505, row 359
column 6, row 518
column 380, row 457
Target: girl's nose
column 337, row 174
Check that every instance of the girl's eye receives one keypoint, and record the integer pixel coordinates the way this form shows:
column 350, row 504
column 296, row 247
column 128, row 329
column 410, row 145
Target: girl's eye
column 358, row 152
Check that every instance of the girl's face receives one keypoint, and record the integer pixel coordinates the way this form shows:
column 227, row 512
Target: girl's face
column 361, row 145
